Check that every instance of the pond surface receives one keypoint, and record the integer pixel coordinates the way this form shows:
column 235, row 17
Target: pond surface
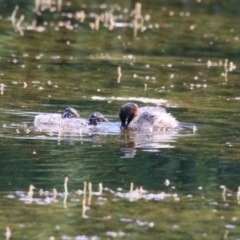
column 96, row 56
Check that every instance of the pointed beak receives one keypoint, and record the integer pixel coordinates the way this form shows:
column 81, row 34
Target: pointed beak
column 123, row 125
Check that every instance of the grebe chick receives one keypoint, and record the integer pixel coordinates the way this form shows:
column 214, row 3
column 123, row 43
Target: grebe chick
column 70, row 112
column 70, row 119
column 95, row 118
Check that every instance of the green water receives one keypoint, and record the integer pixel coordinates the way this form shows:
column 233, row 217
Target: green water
column 70, row 64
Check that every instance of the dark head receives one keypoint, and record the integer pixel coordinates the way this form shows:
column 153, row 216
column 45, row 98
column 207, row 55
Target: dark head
column 127, row 112
column 70, row 113
column 96, row 118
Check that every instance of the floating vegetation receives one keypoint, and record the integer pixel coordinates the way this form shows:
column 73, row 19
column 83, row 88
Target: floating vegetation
column 18, row 25
column 8, row 233
column 42, row 5
column 138, row 20
column 119, row 74
column 228, row 67
column 13, row 17
column 134, row 19
column 132, row 195
column 195, row 129
column 24, row 85
column 2, row 88
column 80, row 16
column 103, row 206
column 47, row 196
column 145, row 87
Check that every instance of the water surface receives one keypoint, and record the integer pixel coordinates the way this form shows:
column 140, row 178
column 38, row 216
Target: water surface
column 176, row 58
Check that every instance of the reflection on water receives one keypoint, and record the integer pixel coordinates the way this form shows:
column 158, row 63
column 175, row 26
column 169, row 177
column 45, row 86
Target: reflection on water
column 152, row 142
column 130, row 141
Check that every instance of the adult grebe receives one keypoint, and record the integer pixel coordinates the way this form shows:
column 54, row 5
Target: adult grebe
column 146, row 118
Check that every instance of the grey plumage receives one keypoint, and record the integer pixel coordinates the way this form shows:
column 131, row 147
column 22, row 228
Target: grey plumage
column 146, row 118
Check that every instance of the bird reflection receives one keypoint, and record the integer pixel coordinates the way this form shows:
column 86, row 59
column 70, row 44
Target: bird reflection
column 130, row 141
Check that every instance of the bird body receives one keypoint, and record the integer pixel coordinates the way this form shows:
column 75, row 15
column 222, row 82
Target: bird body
column 146, row 118
column 70, row 119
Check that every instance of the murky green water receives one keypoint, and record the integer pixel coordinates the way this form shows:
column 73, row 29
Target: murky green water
column 177, row 59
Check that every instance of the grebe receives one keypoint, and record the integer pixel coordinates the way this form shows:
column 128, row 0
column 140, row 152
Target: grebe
column 146, row 118
column 70, row 119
